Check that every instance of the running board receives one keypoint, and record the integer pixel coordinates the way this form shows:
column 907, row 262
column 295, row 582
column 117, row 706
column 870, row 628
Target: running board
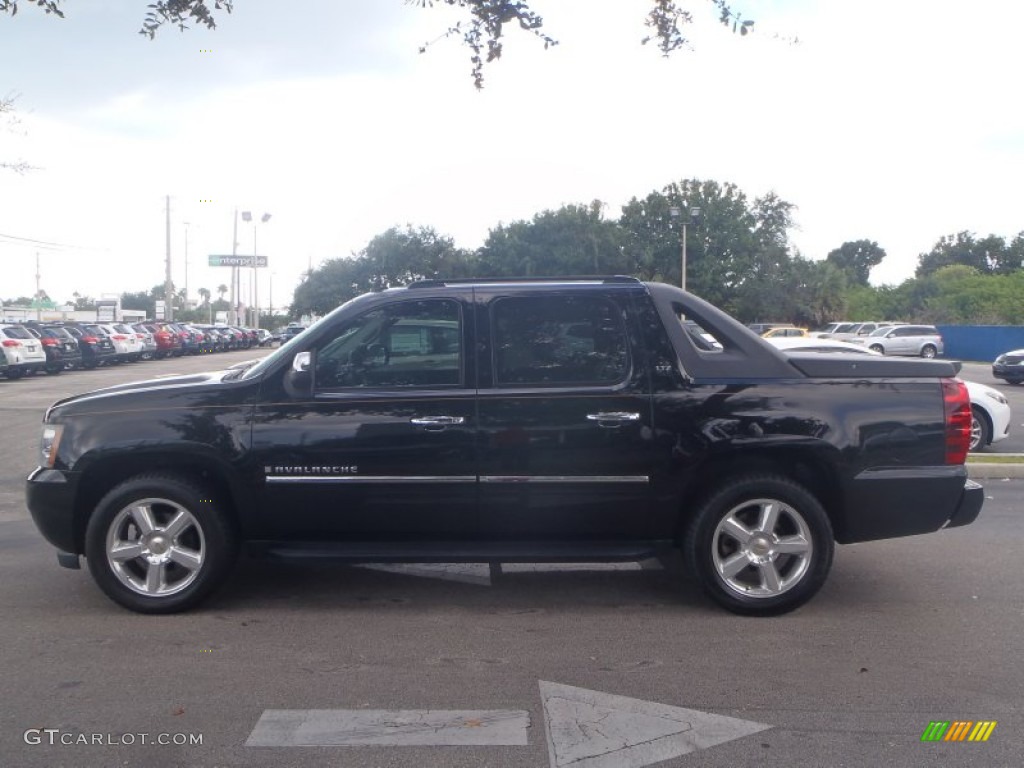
column 462, row 552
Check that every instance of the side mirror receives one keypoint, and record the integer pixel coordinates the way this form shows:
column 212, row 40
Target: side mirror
column 298, row 381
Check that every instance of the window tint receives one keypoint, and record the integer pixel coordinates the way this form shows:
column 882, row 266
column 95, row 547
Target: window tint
column 17, row 332
column 573, row 340
column 409, row 344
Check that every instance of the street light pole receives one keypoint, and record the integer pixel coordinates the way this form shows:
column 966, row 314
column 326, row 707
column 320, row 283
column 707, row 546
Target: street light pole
column 186, row 265
column 233, row 311
column 694, row 215
column 247, row 216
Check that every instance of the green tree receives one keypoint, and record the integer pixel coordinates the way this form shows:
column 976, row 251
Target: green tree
column 856, row 258
column 140, row 300
column 178, row 13
column 818, row 292
column 989, row 255
column 481, row 29
column 395, row 257
column 737, row 252
column 8, row 120
column 574, row 240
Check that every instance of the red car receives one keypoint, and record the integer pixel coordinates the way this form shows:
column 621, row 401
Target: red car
column 168, row 342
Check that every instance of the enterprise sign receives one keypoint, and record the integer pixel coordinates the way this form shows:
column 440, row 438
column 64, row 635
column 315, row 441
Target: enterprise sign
column 236, row 261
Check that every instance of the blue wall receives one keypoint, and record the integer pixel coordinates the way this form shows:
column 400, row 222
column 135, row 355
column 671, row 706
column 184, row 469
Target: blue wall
column 980, row 343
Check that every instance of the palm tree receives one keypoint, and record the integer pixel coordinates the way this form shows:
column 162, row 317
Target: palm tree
column 222, row 289
column 204, row 294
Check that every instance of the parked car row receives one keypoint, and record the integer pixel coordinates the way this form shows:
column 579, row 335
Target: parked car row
column 31, row 347
column 888, row 337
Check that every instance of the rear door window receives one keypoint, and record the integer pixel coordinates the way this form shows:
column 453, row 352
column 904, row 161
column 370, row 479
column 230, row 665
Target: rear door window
column 564, row 341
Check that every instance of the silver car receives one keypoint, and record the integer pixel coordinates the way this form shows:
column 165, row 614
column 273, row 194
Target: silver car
column 913, row 340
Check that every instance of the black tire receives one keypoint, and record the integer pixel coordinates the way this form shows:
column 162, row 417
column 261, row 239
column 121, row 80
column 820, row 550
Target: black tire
column 173, row 571
column 14, row 373
column 877, row 348
column 981, row 430
column 55, row 369
column 928, row 351
column 800, row 521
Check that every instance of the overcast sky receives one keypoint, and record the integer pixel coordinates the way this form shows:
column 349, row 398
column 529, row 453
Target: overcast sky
column 898, row 122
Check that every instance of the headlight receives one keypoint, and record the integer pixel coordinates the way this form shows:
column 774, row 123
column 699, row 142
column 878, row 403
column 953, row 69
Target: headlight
column 1000, row 359
column 998, row 397
column 49, row 443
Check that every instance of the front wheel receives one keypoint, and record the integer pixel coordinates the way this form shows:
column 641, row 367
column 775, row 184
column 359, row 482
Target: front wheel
column 159, row 544
column 981, row 431
column 877, row 348
column 760, row 545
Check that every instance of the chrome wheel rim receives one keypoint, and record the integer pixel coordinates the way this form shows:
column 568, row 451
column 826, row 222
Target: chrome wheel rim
column 762, row 548
column 975, row 433
column 155, row 547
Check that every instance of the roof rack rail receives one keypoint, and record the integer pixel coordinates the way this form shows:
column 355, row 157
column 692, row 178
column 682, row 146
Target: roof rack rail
column 440, row 282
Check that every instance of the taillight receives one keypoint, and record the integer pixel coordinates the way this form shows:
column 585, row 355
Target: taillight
column 90, row 339
column 49, row 342
column 119, row 337
column 11, row 343
column 956, row 405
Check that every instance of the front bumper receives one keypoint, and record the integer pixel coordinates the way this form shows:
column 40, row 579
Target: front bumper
column 1013, row 371
column 50, row 495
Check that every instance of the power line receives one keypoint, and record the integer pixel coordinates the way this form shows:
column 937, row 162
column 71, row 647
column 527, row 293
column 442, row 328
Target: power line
column 47, row 244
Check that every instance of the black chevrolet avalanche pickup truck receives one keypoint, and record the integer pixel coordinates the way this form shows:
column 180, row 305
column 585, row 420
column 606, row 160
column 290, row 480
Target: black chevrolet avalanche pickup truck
column 590, row 419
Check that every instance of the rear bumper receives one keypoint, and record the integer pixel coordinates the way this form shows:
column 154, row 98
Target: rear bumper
column 969, row 508
column 50, row 496
column 888, row 503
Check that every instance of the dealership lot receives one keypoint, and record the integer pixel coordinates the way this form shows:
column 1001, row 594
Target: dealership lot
column 904, row 633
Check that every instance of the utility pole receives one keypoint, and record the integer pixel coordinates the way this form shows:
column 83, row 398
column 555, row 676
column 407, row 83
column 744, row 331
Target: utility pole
column 186, row 265
column 168, row 289
column 39, row 292
column 234, row 273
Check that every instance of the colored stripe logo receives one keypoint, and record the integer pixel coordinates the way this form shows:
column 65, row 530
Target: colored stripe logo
column 958, row 730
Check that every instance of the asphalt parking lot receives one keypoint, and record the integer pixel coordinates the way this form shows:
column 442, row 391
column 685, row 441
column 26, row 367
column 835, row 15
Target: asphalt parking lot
column 594, row 667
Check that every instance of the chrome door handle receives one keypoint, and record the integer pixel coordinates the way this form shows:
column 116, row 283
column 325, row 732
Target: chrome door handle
column 437, row 422
column 613, row 418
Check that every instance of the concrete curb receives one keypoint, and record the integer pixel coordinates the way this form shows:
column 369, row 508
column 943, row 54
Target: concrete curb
column 993, row 470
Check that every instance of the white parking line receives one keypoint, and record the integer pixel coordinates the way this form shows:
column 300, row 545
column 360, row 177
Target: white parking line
column 390, row 728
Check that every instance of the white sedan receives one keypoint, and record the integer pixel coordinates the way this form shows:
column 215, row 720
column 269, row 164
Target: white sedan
column 990, row 410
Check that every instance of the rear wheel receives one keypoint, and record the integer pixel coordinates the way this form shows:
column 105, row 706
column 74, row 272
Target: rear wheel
column 928, row 351
column 159, row 544
column 14, row 373
column 55, row 368
column 760, row 545
column 981, row 430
